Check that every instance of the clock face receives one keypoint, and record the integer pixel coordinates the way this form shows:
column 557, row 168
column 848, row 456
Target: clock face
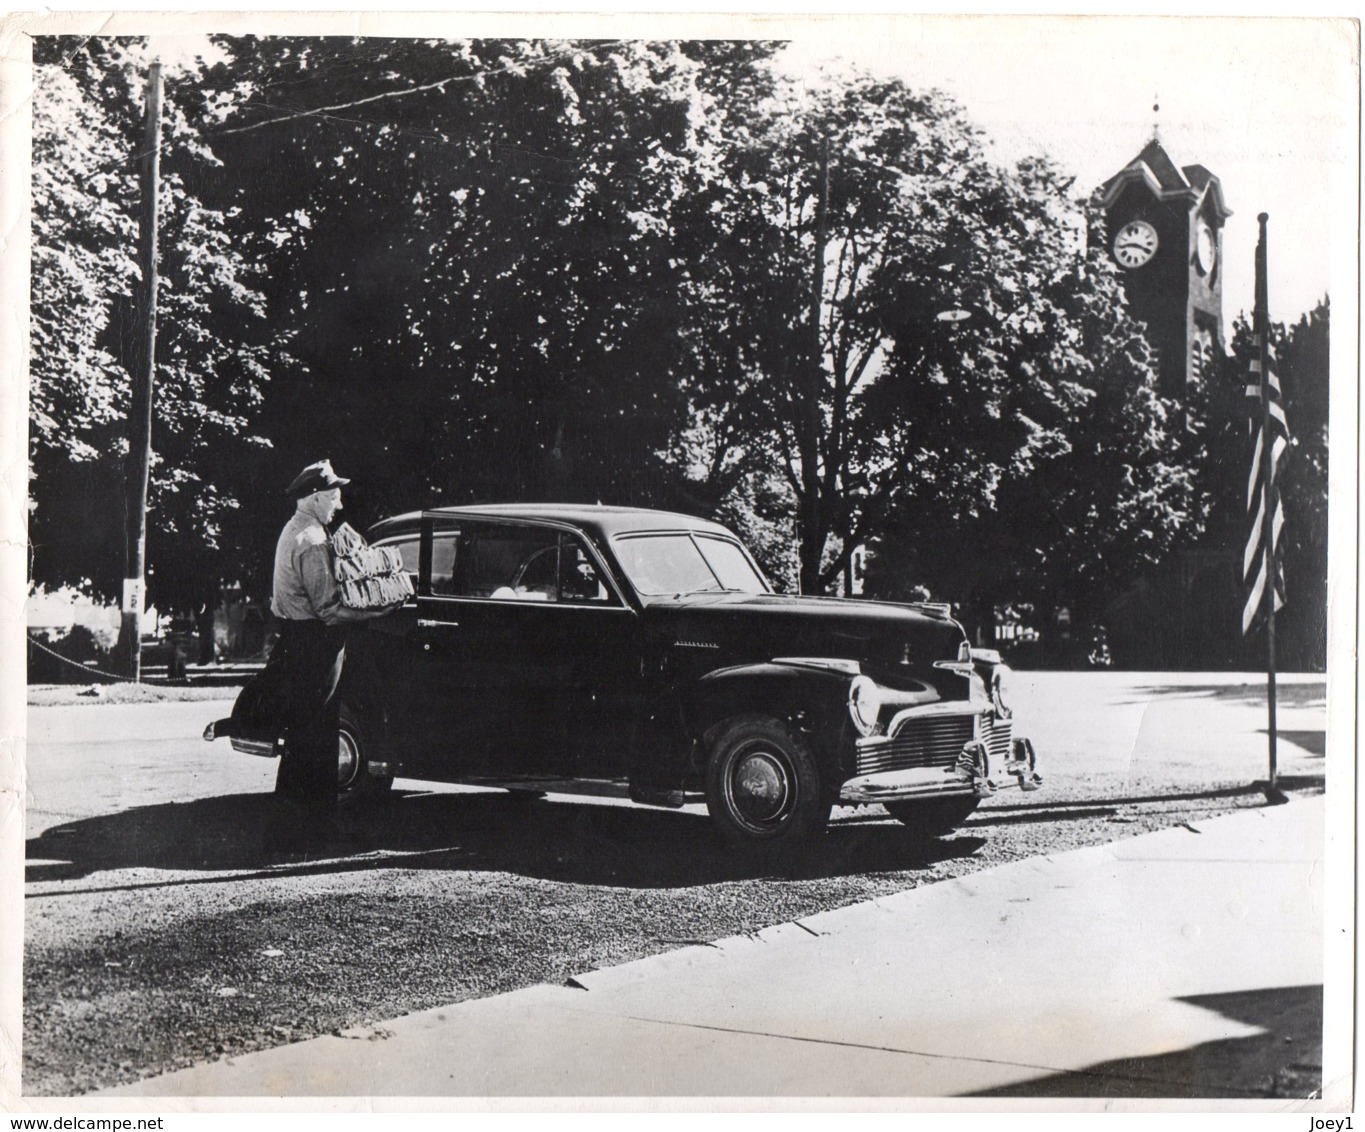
column 1206, row 247
column 1135, row 244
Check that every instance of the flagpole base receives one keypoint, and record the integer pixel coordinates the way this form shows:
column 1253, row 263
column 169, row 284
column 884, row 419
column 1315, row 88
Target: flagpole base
column 1274, row 796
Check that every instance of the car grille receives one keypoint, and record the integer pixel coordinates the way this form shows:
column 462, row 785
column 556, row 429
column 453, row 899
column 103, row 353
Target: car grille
column 996, row 735
column 933, row 741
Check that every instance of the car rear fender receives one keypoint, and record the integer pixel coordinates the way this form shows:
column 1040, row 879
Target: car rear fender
column 262, row 707
column 361, row 691
column 260, row 710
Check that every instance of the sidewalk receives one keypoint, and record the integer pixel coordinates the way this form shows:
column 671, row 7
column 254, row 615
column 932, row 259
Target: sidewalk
column 1184, row 963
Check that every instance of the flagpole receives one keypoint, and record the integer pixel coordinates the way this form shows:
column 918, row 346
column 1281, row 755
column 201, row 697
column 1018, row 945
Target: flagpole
column 1268, row 488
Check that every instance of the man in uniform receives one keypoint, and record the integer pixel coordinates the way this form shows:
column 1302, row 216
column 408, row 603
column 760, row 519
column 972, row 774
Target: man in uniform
column 313, row 626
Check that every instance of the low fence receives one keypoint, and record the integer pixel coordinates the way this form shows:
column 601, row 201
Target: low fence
column 48, row 665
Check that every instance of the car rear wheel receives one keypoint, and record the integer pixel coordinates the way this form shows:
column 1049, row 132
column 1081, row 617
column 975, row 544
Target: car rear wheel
column 353, row 782
column 932, row 817
column 763, row 786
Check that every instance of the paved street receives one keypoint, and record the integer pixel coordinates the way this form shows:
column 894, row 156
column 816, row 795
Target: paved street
column 1113, row 728
column 150, row 895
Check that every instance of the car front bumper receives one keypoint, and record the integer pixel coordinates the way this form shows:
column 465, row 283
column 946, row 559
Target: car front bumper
column 941, row 750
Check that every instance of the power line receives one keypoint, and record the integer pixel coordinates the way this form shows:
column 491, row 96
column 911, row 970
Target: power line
column 439, row 84
column 326, row 113
column 323, row 111
column 325, row 116
column 75, row 51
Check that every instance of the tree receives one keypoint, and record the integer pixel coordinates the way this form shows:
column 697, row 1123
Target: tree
column 640, row 272
column 1098, row 494
column 859, row 224
column 213, row 337
column 1306, row 375
column 476, row 245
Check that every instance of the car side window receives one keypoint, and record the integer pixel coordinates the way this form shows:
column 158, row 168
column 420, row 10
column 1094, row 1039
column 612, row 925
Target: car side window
column 502, row 561
column 408, row 548
column 580, row 582
column 514, row 562
column 510, row 562
column 443, row 547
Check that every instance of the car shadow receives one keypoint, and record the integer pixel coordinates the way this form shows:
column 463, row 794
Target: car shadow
column 1285, row 1060
column 578, row 842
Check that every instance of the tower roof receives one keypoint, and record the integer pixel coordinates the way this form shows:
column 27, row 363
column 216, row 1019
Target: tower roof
column 1165, row 180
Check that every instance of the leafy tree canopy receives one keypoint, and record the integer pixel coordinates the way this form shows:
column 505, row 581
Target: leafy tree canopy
column 640, row 272
column 213, row 337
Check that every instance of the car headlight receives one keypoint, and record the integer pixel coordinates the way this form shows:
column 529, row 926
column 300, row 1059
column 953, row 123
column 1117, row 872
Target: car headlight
column 864, row 704
column 1002, row 683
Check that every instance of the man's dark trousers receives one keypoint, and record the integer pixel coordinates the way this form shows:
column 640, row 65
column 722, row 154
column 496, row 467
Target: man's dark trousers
column 310, row 655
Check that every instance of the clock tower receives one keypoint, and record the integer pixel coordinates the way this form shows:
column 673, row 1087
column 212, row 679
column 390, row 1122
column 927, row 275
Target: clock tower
column 1165, row 231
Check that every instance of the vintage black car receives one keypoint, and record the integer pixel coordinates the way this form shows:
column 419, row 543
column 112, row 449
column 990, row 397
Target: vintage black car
column 613, row 650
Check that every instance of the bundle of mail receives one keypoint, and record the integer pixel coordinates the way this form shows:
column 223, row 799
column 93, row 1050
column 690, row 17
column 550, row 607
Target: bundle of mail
column 369, row 577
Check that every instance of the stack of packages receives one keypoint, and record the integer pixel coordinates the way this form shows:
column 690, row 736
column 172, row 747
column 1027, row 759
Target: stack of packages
column 369, row 577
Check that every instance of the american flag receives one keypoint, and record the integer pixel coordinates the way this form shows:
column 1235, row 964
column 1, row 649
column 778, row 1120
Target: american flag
column 1270, row 440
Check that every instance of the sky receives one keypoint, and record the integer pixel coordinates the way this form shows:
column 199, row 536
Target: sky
column 1268, row 106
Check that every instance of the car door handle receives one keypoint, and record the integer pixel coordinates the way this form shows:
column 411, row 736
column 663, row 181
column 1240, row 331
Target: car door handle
column 423, row 623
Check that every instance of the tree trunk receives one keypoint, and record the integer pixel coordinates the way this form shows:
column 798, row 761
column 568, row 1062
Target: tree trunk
column 204, row 624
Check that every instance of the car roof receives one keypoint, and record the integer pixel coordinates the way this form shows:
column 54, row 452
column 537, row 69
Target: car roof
column 594, row 517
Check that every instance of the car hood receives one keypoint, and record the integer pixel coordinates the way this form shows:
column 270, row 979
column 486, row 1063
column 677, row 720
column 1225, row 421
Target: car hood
column 889, row 641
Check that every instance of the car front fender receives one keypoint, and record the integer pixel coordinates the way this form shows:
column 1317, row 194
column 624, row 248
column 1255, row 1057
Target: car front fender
column 813, row 700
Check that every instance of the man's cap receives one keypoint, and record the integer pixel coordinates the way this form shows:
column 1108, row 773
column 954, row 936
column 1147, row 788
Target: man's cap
column 315, row 477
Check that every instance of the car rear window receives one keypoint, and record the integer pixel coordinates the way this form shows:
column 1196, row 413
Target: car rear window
column 442, row 558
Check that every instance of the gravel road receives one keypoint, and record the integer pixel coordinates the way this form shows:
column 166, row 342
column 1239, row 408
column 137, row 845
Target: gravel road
column 160, row 932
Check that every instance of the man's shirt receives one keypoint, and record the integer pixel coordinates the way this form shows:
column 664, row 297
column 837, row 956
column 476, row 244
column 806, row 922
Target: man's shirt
column 304, row 588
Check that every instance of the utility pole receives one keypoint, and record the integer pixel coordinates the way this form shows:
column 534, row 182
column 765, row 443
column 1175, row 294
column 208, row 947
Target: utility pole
column 808, row 439
column 143, row 373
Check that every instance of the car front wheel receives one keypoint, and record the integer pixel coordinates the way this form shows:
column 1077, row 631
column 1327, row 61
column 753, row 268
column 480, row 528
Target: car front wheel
column 763, row 786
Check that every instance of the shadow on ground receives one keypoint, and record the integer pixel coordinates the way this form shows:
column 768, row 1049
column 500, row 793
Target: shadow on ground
column 1312, row 742
column 1101, row 805
column 1312, row 694
column 1284, row 1061
column 576, row 842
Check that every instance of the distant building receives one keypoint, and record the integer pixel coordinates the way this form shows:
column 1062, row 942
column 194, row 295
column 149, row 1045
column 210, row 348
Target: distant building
column 1165, row 227
column 1165, row 231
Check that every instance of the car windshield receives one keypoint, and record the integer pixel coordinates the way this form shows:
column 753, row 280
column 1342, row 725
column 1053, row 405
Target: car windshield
column 678, row 564
column 730, row 565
